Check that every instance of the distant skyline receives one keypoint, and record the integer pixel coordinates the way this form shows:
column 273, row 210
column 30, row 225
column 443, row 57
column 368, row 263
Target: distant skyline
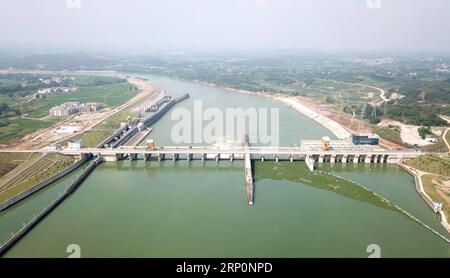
column 171, row 25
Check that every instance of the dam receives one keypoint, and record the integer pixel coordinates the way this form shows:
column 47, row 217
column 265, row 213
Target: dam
column 137, row 208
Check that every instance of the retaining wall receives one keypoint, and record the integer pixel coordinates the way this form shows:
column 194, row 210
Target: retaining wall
column 73, row 186
column 418, row 189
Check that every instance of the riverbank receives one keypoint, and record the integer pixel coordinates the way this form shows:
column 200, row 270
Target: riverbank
column 340, row 124
column 294, row 102
column 69, row 190
column 207, row 214
column 417, row 174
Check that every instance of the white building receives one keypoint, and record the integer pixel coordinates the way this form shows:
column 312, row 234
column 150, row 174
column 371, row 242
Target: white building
column 75, row 144
column 437, row 207
column 70, row 108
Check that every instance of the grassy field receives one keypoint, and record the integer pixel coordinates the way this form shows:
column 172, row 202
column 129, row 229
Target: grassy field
column 389, row 134
column 431, row 164
column 17, row 128
column 111, row 95
column 299, row 172
column 438, row 147
column 97, row 134
column 42, row 169
column 435, row 192
column 110, row 91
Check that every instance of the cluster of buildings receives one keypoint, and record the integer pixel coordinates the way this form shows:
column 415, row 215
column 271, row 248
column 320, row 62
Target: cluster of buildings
column 396, row 96
column 70, row 108
column 53, row 90
column 376, row 61
column 56, row 79
column 443, row 68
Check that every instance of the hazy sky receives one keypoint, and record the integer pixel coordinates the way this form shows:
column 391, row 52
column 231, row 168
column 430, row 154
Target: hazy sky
column 413, row 25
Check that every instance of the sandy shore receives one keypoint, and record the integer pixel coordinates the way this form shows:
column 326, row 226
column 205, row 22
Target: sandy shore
column 339, row 124
column 334, row 127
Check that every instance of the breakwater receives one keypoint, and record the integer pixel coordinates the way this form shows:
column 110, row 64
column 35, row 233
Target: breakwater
column 69, row 190
column 419, row 190
column 412, row 217
column 424, row 195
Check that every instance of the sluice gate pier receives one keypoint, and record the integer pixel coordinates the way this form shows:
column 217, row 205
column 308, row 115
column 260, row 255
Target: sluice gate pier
column 248, row 153
column 237, row 152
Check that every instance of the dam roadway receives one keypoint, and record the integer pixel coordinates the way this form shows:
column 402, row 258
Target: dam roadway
column 236, row 152
column 362, row 154
column 312, row 156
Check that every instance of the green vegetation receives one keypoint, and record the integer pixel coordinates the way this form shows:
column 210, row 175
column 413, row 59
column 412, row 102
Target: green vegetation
column 389, row 133
column 299, row 172
column 419, row 93
column 22, row 113
column 422, row 114
column 17, row 128
column 438, row 147
column 42, row 169
column 6, row 110
column 98, row 133
column 19, row 85
column 424, row 132
column 431, row 164
column 111, row 95
column 438, row 188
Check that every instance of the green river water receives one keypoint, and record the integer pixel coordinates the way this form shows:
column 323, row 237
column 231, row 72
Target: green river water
column 190, row 209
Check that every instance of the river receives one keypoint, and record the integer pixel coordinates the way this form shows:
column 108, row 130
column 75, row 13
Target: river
column 190, row 209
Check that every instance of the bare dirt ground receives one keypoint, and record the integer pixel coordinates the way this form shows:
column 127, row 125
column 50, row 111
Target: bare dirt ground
column 46, row 136
column 410, row 134
column 446, row 132
column 346, row 121
column 79, row 123
column 443, row 185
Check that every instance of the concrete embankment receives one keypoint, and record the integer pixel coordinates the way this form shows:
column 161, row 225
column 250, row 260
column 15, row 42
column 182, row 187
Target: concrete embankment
column 157, row 115
column 338, row 130
column 418, row 183
column 130, row 134
column 418, row 221
column 424, row 195
column 328, row 123
column 12, row 201
column 70, row 189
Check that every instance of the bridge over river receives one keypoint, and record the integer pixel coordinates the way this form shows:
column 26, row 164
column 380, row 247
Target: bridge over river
column 312, row 156
column 355, row 155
